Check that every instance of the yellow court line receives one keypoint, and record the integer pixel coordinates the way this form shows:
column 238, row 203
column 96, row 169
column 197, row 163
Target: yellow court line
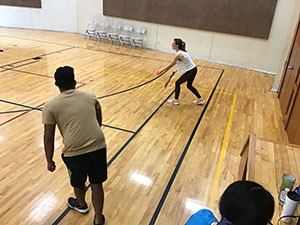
column 225, row 93
column 15, row 81
column 219, row 92
column 222, row 155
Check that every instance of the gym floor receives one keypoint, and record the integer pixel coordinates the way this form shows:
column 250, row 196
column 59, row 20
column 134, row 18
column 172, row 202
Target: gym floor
column 165, row 162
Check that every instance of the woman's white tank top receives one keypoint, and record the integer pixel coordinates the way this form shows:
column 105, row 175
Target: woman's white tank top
column 186, row 64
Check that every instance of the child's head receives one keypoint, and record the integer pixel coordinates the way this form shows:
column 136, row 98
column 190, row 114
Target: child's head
column 246, row 203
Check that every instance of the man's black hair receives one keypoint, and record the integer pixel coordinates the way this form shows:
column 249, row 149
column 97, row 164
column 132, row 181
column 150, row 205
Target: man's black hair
column 64, row 77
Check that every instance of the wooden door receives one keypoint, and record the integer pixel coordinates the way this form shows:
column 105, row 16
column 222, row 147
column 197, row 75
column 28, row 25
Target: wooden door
column 290, row 81
column 293, row 127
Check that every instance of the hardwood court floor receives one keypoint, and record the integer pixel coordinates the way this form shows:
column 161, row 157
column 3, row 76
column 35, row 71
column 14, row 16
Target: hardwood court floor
column 147, row 138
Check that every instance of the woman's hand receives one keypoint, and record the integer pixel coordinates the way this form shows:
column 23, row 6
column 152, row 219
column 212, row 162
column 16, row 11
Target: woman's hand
column 158, row 72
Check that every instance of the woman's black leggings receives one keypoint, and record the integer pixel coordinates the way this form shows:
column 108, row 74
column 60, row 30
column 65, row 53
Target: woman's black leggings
column 188, row 76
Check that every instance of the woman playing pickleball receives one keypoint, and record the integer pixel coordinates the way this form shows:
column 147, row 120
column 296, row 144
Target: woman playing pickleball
column 189, row 69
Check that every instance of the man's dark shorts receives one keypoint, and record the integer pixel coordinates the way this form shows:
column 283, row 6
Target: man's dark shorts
column 92, row 164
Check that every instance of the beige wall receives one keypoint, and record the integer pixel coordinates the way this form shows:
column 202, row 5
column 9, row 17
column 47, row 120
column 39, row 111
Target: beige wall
column 260, row 54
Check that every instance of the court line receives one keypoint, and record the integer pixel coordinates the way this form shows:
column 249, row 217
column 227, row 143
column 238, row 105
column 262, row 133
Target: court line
column 96, row 50
column 42, row 75
column 22, row 114
column 129, row 76
column 67, row 210
column 81, row 84
column 135, row 77
column 15, row 111
column 222, row 155
column 17, row 104
column 14, row 81
column 138, row 130
column 26, row 64
column 40, row 109
column 46, row 54
column 132, row 88
column 125, row 75
column 173, row 176
column 117, row 128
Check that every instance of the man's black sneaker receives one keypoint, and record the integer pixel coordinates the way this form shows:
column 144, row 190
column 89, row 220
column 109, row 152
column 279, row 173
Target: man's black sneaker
column 74, row 204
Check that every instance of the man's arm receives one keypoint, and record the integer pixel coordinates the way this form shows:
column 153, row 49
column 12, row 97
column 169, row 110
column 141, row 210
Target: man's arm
column 49, row 134
column 98, row 113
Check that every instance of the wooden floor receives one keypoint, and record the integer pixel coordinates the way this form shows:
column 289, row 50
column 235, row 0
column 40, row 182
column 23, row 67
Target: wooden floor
column 164, row 162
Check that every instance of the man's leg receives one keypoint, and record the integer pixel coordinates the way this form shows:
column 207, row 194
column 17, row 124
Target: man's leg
column 80, row 195
column 98, row 201
column 77, row 172
column 97, row 175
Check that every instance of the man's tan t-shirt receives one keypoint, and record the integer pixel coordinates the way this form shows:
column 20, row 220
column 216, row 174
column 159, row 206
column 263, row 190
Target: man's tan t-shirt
column 74, row 112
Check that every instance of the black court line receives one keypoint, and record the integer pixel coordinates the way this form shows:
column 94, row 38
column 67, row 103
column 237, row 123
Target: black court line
column 96, row 50
column 168, row 187
column 17, row 104
column 132, row 88
column 138, row 130
column 14, row 67
column 16, row 111
column 117, row 128
column 67, row 210
column 50, row 53
column 41, row 109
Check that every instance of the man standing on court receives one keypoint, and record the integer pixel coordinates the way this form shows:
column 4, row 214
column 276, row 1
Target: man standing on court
column 79, row 119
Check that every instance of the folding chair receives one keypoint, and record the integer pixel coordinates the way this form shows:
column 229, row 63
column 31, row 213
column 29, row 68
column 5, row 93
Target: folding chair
column 91, row 29
column 101, row 32
column 125, row 38
column 113, row 36
column 137, row 41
